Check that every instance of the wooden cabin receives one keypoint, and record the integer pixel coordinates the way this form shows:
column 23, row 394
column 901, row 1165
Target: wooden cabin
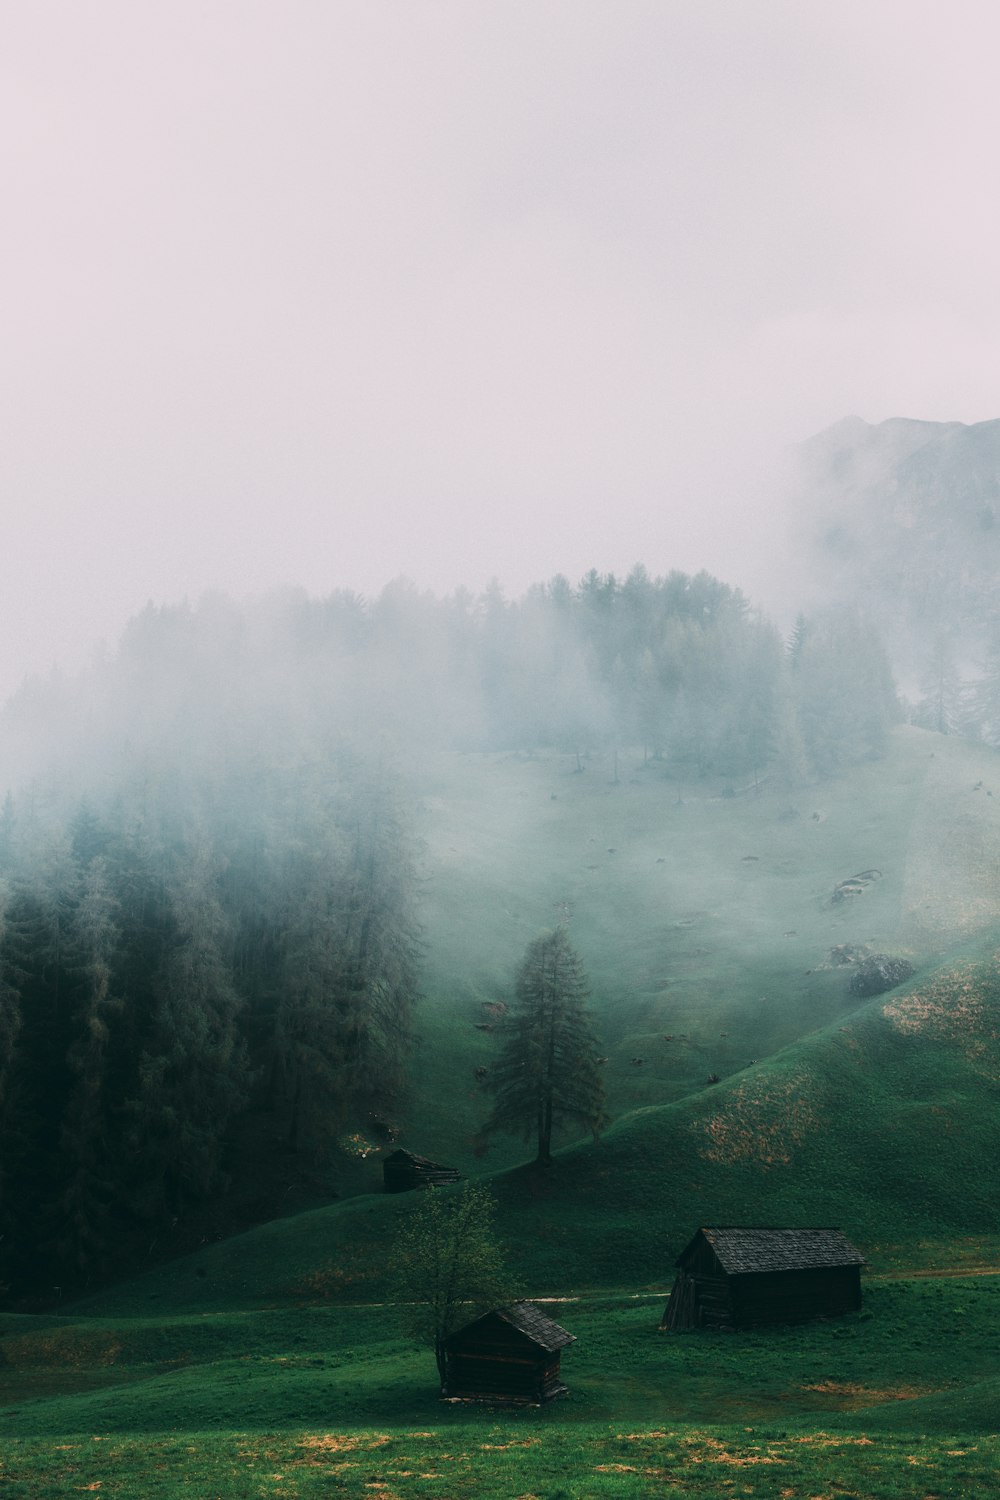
column 403, row 1170
column 510, row 1355
column 746, row 1278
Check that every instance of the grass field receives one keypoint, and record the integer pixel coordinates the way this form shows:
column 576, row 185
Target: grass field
column 336, row 1400
column 497, row 1462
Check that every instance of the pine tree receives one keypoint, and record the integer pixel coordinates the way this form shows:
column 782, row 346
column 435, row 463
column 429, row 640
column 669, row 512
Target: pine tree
column 335, row 1041
column 548, row 1070
column 88, row 1155
column 844, row 694
column 310, row 1048
column 39, row 974
column 192, row 1073
column 797, row 639
column 985, row 692
column 10, row 1025
column 941, row 706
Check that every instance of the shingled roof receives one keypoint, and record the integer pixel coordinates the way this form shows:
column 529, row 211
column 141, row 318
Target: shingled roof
column 742, row 1251
column 531, row 1321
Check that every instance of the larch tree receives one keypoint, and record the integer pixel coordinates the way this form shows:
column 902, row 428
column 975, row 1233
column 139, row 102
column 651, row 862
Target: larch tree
column 548, row 1070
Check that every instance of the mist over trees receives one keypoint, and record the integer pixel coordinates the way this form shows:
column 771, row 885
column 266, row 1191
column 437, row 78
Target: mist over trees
column 210, row 945
column 899, row 519
column 179, row 995
column 681, row 667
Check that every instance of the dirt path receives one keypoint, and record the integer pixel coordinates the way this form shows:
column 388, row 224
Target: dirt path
column 931, row 1274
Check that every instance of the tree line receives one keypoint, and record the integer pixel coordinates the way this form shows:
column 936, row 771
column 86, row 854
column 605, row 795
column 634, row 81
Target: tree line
column 208, row 888
column 178, row 996
column 679, row 666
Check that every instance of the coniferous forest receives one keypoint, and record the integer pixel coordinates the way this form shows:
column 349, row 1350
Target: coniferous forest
column 211, row 934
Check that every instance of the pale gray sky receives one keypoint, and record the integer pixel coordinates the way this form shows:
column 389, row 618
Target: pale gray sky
column 322, row 292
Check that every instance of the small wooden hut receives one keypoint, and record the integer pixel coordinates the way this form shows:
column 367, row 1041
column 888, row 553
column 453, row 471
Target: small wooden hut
column 745, row 1278
column 510, row 1355
column 403, row 1170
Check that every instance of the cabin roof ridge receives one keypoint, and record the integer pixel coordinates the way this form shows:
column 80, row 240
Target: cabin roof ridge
column 529, row 1319
column 748, row 1248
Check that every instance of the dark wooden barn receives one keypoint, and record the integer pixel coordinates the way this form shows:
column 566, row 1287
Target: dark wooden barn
column 745, row 1278
column 402, row 1171
column 510, row 1355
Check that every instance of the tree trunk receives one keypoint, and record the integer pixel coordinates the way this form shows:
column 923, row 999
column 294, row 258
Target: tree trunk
column 293, row 1124
column 544, row 1158
column 442, row 1365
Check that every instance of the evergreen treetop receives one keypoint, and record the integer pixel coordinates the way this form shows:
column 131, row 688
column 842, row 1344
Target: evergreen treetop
column 548, row 1070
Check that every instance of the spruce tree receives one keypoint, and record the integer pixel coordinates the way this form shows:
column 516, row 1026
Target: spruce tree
column 38, row 967
column 548, row 1070
column 10, row 1025
column 87, row 1147
column 942, row 705
column 985, row 693
column 334, row 1043
column 192, row 1072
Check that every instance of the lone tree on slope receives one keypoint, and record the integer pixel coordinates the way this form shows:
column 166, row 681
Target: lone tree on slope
column 448, row 1265
column 548, row 1069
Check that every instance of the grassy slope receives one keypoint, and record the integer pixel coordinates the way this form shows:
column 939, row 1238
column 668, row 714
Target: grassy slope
column 884, row 1123
column 709, row 924
column 882, row 1119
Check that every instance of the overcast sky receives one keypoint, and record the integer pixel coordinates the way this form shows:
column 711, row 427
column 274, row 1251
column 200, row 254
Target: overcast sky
column 321, row 293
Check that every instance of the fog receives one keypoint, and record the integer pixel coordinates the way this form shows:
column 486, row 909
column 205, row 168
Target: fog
column 326, row 295
column 407, row 397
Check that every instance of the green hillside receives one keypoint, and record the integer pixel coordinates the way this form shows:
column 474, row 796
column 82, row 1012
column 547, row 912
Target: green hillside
column 223, row 888
column 705, row 920
column 882, row 1123
column 272, row 1363
column 868, row 1115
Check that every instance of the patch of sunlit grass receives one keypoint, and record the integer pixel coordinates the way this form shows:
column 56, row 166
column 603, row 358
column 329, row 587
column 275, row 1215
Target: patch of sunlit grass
column 762, row 1122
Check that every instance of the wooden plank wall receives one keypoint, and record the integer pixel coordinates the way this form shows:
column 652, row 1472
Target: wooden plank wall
column 487, row 1378
column 794, row 1296
column 703, row 1300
